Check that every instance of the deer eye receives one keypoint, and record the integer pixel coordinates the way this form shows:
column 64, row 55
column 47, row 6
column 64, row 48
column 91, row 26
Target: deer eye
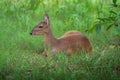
column 40, row 26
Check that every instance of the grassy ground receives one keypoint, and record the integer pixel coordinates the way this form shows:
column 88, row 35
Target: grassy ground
column 20, row 53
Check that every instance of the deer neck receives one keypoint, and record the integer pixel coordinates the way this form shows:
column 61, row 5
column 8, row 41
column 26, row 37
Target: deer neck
column 49, row 39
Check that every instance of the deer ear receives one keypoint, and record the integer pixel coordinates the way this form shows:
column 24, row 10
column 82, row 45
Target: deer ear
column 46, row 19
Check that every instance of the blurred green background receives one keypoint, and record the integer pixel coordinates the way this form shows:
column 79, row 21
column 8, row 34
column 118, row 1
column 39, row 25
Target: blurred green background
column 20, row 53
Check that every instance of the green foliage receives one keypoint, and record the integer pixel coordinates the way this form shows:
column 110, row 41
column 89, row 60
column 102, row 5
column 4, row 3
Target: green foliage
column 115, row 3
column 109, row 19
column 20, row 53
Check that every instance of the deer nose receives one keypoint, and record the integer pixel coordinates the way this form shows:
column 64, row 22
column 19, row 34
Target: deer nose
column 30, row 33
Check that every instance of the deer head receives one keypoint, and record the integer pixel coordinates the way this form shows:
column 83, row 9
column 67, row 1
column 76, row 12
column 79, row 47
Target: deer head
column 43, row 27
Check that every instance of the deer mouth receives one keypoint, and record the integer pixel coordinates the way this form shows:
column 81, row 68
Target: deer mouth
column 30, row 33
column 35, row 33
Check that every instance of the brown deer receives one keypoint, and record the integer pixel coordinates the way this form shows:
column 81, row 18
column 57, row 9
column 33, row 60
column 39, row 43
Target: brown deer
column 70, row 42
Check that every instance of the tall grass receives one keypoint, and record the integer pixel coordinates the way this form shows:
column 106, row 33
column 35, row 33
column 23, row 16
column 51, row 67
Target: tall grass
column 20, row 53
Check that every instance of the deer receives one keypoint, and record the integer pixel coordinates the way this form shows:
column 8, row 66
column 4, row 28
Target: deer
column 71, row 42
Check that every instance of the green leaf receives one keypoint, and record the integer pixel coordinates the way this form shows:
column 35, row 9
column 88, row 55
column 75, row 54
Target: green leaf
column 114, row 1
column 103, row 19
column 110, row 26
column 113, row 12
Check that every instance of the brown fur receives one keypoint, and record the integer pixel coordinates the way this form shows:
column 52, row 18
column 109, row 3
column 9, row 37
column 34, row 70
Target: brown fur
column 70, row 42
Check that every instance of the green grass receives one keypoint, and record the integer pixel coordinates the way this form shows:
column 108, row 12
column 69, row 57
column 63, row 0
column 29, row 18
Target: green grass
column 20, row 53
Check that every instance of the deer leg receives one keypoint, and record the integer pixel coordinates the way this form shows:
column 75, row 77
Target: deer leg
column 45, row 53
column 69, row 52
